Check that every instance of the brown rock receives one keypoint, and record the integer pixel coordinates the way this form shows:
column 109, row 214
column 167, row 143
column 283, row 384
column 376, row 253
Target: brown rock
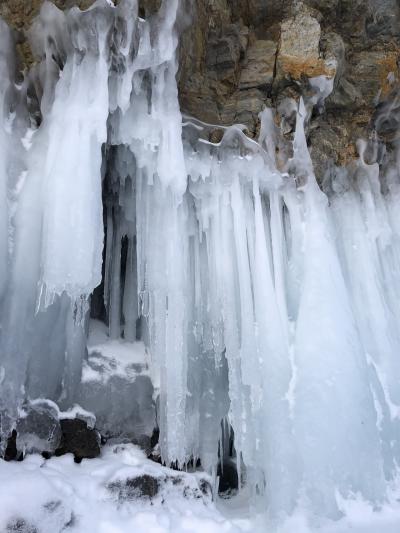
column 259, row 66
column 19, row 13
column 223, row 55
column 375, row 73
column 244, row 108
column 238, row 56
column 299, row 49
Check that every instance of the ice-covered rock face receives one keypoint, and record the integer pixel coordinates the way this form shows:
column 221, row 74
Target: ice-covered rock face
column 260, row 299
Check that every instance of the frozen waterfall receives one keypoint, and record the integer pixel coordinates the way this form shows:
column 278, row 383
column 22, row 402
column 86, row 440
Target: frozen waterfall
column 266, row 304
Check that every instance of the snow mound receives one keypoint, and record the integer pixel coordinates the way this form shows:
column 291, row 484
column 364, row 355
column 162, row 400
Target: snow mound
column 122, row 491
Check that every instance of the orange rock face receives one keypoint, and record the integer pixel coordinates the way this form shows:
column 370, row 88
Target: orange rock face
column 299, row 49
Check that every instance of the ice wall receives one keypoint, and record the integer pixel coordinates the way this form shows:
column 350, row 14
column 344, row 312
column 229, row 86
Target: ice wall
column 263, row 300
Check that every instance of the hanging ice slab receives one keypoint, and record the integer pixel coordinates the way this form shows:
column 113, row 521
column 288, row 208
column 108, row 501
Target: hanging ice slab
column 73, row 133
column 57, row 227
column 5, row 81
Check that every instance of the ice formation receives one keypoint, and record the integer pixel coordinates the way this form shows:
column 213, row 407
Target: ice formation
column 263, row 301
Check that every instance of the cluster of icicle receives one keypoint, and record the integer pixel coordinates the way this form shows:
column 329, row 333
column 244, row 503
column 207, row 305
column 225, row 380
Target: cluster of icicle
column 265, row 302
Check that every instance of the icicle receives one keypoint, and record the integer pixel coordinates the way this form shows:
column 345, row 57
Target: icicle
column 332, row 390
column 130, row 304
column 115, row 282
column 76, row 124
column 5, row 82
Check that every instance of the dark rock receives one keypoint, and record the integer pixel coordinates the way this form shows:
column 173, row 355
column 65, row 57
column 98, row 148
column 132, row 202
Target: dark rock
column 202, row 491
column 11, row 451
column 333, row 50
column 52, row 506
column 237, row 57
column 123, row 405
column 386, row 119
column 161, row 485
column 328, row 7
column 148, row 7
column 205, row 487
column 143, row 486
column 78, row 439
column 345, row 96
column 371, row 73
column 223, row 55
column 228, row 478
column 38, row 431
column 155, row 438
column 383, row 20
column 352, row 40
column 259, row 65
column 19, row 525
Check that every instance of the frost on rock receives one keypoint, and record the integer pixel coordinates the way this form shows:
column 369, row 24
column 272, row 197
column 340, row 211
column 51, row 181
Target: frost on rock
column 38, row 428
column 136, row 256
column 116, row 385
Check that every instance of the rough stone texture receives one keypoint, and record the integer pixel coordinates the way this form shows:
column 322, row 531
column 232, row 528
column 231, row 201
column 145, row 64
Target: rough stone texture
column 299, row 49
column 19, row 525
column 20, row 13
column 78, row 439
column 38, row 431
column 237, row 57
column 259, row 65
column 11, row 452
column 149, row 486
column 143, row 486
column 123, row 406
column 274, row 48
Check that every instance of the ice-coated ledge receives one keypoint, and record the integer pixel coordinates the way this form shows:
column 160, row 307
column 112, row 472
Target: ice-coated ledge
column 113, row 357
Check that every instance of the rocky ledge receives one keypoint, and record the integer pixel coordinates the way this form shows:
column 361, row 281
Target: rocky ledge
column 237, row 57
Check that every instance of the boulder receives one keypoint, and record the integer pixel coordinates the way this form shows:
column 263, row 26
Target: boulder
column 38, row 428
column 78, row 439
column 299, row 49
column 161, row 486
column 124, row 407
column 11, row 451
column 143, row 486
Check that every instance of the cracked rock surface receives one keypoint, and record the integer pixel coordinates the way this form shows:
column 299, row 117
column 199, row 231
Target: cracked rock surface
column 237, row 57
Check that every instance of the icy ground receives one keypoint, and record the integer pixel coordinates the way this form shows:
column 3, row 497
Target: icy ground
column 112, row 357
column 39, row 496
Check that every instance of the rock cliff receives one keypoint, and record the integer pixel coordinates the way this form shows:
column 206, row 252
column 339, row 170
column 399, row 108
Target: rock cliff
column 237, row 57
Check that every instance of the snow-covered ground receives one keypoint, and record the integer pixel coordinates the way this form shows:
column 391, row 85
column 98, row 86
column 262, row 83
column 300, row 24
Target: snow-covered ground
column 39, row 496
column 108, row 357
column 60, row 495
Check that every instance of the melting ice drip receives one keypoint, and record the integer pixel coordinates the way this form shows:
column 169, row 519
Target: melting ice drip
column 262, row 301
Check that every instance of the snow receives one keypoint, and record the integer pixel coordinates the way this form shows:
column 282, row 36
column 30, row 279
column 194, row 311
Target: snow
column 48, row 494
column 76, row 411
column 112, row 357
column 57, row 492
